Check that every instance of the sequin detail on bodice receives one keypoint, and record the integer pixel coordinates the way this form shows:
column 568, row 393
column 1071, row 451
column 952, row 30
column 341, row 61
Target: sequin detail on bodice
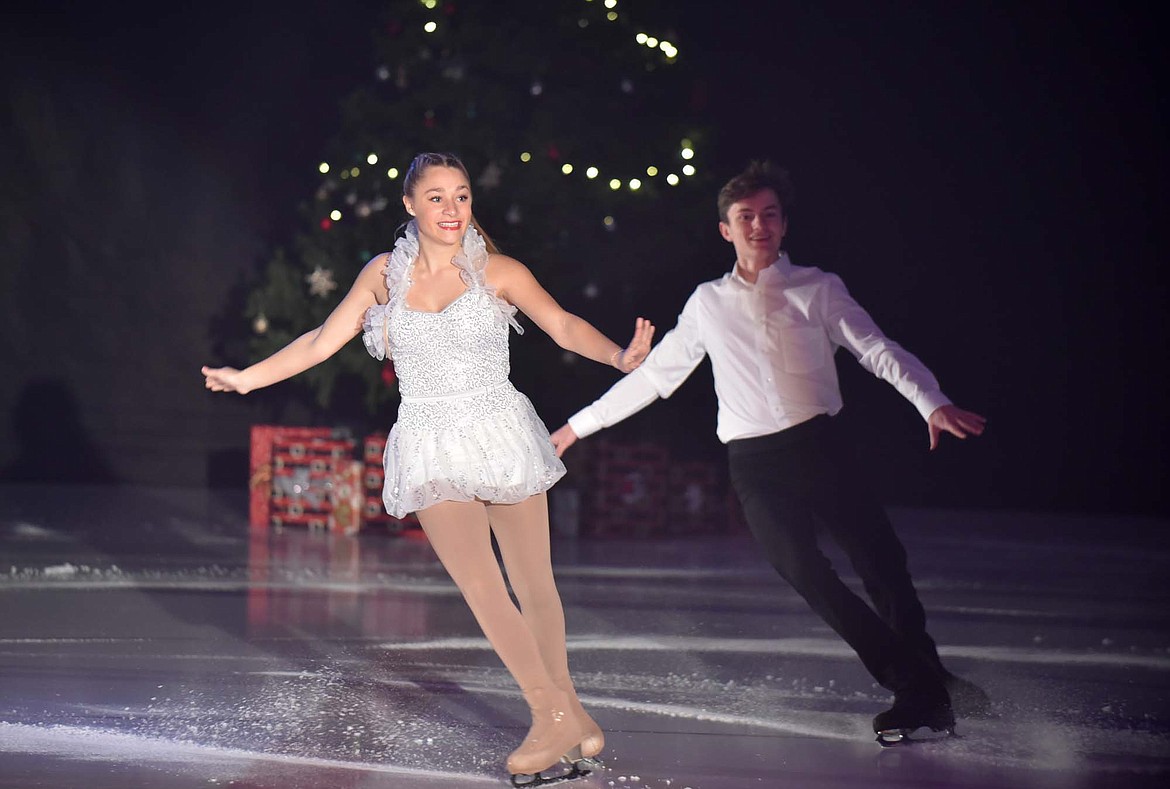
column 460, row 348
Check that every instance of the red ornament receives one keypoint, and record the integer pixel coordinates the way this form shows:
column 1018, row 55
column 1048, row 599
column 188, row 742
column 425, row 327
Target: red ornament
column 388, row 376
column 553, row 153
column 326, row 223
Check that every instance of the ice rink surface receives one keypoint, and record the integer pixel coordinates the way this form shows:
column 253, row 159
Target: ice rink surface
column 148, row 640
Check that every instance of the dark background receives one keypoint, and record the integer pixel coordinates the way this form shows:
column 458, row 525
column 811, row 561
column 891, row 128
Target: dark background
column 988, row 179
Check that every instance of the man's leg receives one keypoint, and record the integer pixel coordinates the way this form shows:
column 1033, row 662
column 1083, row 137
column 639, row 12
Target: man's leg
column 781, row 481
column 862, row 528
column 865, row 534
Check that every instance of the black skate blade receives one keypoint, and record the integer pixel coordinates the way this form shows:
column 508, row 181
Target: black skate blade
column 889, row 738
column 571, row 771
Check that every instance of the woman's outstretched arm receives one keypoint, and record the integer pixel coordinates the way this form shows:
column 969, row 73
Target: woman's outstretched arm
column 312, row 347
column 515, row 283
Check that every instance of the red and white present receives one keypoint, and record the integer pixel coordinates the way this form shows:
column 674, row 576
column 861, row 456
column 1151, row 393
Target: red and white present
column 292, row 470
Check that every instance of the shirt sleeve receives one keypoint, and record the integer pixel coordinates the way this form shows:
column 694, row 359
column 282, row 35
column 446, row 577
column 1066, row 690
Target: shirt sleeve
column 850, row 326
column 671, row 362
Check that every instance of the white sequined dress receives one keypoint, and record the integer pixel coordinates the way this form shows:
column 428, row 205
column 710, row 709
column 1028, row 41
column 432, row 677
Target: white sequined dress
column 463, row 431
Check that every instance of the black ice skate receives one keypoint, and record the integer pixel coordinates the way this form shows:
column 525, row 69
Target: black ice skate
column 572, row 766
column 910, row 713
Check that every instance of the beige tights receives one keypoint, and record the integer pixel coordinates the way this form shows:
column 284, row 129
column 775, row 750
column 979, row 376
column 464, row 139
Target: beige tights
column 530, row 640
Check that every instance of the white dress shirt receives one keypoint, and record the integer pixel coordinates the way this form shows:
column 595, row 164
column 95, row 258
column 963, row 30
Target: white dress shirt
column 771, row 345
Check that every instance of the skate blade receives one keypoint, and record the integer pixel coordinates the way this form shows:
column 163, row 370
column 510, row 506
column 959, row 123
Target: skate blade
column 888, row 738
column 570, row 771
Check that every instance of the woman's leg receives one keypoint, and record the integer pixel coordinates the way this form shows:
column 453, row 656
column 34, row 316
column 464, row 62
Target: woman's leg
column 460, row 536
column 522, row 532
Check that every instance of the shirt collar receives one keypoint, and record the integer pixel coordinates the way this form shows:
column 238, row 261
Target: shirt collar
column 781, row 267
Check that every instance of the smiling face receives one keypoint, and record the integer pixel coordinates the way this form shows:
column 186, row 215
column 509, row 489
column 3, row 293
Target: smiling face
column 755, row 226
column 441, row 202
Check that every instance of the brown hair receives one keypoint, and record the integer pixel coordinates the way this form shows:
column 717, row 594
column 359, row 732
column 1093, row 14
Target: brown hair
column 757, row 176
column 424, row 161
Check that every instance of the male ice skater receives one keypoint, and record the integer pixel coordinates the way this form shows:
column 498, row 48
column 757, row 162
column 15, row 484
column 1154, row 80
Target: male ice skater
column 771, row 329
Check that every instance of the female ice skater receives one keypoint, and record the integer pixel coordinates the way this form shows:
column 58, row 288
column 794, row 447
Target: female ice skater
column 468, row 453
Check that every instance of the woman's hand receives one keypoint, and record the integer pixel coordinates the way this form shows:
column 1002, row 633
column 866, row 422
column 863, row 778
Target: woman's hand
column 631, row 357
column 223, row 379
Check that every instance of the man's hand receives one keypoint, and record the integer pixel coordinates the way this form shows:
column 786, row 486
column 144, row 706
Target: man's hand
column 954, row 420
column 563, row 438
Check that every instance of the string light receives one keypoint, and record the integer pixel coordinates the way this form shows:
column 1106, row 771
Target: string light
column 667, row 49
column 686, row 152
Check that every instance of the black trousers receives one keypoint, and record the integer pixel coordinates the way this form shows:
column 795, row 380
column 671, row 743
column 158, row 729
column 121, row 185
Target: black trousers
column 799, row 482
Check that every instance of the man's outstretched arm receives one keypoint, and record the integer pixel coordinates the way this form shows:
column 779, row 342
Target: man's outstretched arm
column 669, row 364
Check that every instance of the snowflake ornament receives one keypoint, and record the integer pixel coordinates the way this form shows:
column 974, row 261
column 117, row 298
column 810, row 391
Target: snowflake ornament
column 321, row 282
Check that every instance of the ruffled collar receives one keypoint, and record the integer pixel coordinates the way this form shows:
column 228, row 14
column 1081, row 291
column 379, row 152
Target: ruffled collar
column 471, row 260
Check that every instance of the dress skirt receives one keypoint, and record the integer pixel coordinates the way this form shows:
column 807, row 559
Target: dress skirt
column 486, row 444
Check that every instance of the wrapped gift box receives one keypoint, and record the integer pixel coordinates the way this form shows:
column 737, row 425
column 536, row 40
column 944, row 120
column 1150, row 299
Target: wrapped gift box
column 293, row 472
column 263, row 438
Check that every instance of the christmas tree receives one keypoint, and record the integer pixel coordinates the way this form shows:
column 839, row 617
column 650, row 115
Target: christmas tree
column 576, row 121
